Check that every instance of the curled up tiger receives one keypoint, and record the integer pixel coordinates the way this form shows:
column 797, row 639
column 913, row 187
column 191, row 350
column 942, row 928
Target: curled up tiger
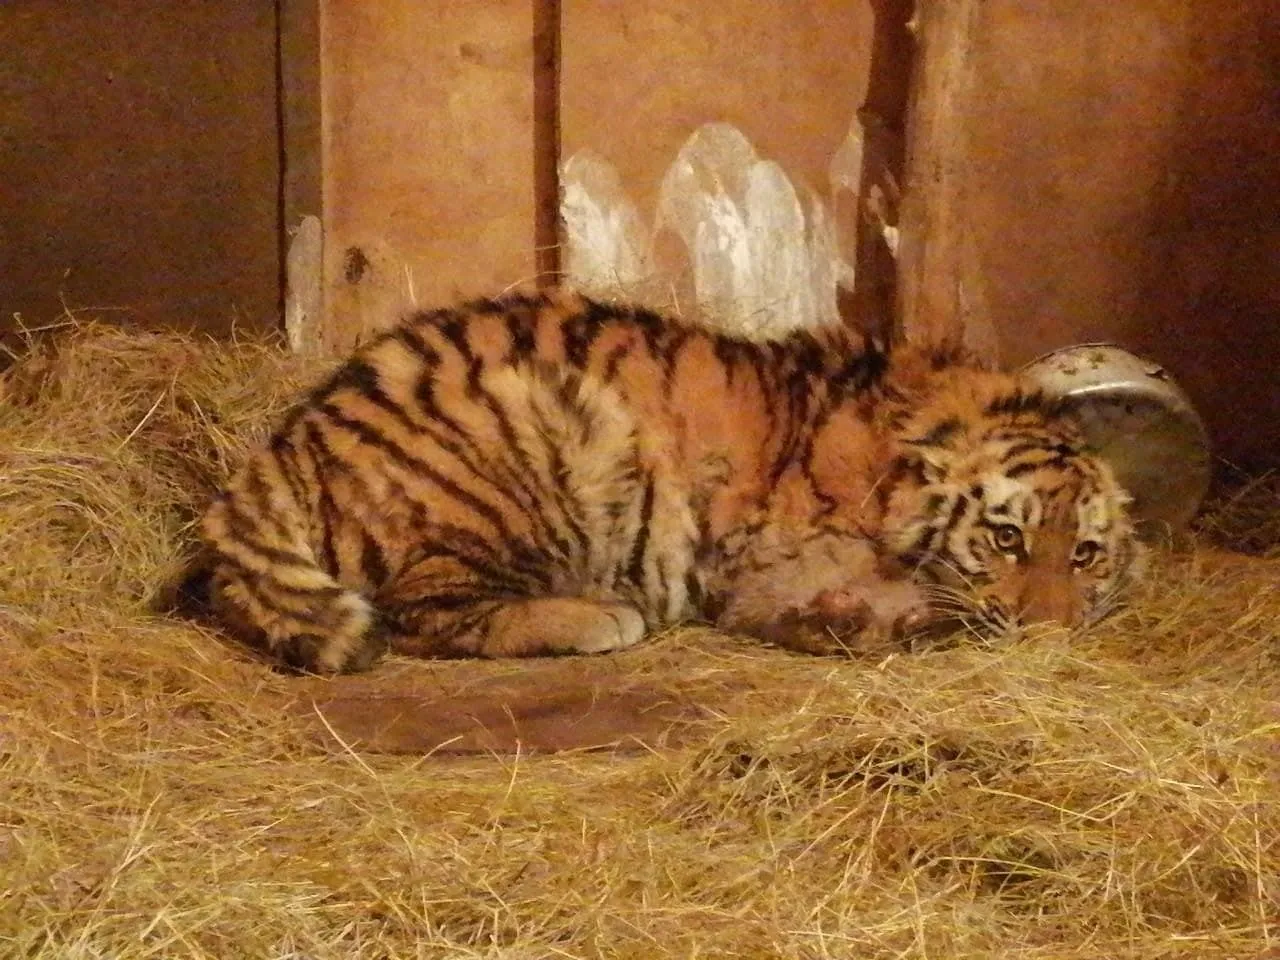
column 547, row 473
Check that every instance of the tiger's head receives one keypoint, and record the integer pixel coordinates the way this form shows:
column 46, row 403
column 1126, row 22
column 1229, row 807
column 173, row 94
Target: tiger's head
column 1004, row 515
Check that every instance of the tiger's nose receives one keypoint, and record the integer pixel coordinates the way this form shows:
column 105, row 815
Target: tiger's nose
column 1063, row 616
column 1051, row 602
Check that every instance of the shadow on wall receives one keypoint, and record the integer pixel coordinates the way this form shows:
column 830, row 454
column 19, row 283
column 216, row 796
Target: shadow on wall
column 1125, row 188
column 1210, row 290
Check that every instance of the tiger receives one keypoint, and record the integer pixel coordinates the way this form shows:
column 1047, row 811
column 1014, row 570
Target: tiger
column 545, row 473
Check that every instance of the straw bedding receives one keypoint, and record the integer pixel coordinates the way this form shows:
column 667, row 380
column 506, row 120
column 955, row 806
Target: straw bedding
column 1115, row 795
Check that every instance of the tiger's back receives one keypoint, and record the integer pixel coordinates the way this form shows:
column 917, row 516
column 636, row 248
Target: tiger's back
column 547, row 473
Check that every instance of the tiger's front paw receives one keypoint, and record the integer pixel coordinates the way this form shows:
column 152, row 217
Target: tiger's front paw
column 869, row 619
column 884, row 611
column 310, row 653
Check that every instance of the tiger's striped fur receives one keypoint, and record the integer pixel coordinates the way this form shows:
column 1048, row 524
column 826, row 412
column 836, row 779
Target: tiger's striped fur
column 547, row 473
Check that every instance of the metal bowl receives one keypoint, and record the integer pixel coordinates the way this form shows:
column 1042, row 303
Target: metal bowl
column 1140, row 421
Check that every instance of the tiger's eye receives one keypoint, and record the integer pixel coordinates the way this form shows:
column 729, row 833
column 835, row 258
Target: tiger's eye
column 1086, row 554
column 1008, row 538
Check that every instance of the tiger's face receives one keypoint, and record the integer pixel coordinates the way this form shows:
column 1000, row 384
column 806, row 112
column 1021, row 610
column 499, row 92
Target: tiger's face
column 1012, row 525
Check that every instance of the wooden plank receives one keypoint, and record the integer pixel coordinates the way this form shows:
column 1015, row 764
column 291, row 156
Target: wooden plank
column 301, row 198
column 139, row 163
column 546, row 137
column 638, row 79
column 882, row 119
column 300, row 114
column 428, row 156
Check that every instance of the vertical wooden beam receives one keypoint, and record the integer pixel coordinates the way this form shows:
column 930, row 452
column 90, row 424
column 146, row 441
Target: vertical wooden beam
column 941, row 295
column 882, row 118
column 300, row 194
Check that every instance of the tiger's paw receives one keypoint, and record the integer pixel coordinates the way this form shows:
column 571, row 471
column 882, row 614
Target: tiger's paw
column 310, row 653
column 869, row 619
column 886, row 611
column 552, row 625
column 619, row 626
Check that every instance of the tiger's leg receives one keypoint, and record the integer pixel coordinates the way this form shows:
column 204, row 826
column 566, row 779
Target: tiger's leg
column 517, row 627
column 465, row 597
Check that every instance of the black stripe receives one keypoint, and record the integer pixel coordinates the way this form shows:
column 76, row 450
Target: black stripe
column 829, row 502
column 245, row 529
column 861, row 371
column 729, row 353
column 453, row 326
column 373, row 561
column 468, row 453
column 371, row 436
column 512, row 442
column 1026, row 402
column 428, row 354
column 635, row 567
column 285, row 454
column 307, row 614
column 940, row 433
column 445, row 602
column 957, row 511
column 1030, row 466
column 578, row 333
column 798, row 395
column 669, row 356
column 327, row 511
column 328, row 592
column 934, row 538
column 561, row 494
column 1026, row 446
column 614, row 361
column 524, row 342
column 516, row 575
column 259, row 490
column 364, row 380
column 808, row 355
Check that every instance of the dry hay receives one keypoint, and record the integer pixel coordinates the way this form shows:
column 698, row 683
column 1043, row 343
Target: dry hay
column 1117, row 796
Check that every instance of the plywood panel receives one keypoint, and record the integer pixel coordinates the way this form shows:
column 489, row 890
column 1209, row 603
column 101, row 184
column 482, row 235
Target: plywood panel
column 638, row 79
column 1115, row 178
column 138, row 158
column 428, row 154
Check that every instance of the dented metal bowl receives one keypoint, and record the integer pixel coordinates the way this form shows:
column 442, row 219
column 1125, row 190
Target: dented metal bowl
column 1140, row 421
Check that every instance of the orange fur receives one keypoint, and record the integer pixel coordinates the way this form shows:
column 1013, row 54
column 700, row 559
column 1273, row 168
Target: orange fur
column 542, row 474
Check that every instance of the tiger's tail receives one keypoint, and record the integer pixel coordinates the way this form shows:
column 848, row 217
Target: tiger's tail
column 260, row 576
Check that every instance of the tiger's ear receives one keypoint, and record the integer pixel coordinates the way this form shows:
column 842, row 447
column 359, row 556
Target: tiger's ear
column 932, row 463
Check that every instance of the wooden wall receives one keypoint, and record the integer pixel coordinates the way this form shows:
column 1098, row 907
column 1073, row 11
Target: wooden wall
column 444, row 131
column 139, row 161
column 428, row 154
column 1107, row 171
column 637, row 79
column 1111, row 172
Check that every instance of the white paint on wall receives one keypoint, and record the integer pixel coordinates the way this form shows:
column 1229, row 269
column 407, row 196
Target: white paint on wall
column 607, row 248
column 762, row 257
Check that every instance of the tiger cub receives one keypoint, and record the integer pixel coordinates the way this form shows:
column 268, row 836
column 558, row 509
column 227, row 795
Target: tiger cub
column 546, row 473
